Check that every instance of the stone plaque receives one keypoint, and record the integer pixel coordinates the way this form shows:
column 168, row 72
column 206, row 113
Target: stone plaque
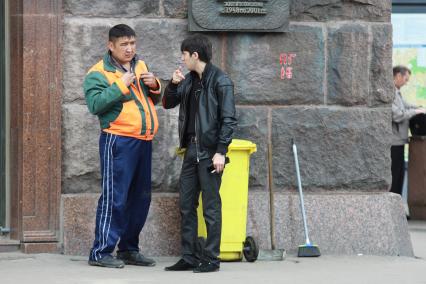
column 238, row 16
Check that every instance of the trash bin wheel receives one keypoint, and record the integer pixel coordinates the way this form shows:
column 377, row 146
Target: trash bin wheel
column 250, row 249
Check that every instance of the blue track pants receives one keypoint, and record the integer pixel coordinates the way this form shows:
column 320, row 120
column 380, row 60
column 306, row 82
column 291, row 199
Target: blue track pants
column 126, row 193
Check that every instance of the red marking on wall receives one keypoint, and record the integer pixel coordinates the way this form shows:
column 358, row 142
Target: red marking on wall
column 286, row 59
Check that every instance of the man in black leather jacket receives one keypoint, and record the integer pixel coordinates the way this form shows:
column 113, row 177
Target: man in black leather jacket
column 206, row 124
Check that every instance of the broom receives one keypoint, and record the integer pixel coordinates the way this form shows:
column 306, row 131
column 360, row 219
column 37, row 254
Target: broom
column 308, row 249
column 273, row 253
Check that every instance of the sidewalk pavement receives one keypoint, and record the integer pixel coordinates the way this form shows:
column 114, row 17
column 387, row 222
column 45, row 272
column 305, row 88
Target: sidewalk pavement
column 56, row 268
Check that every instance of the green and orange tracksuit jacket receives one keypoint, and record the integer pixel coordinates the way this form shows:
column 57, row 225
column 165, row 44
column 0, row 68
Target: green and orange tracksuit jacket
column 126, row 111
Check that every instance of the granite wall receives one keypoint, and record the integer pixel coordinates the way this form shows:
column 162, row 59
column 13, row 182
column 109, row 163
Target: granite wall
column 327, row 83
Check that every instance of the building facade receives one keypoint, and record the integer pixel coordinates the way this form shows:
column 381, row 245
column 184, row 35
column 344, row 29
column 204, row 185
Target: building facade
column 327, row 82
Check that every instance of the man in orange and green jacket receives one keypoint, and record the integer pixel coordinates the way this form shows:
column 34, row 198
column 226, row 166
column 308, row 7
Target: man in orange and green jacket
column 121, row 91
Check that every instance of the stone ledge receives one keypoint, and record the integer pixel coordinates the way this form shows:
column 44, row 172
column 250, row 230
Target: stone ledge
column 345, row 223
column 40, row 247
column 340, row 223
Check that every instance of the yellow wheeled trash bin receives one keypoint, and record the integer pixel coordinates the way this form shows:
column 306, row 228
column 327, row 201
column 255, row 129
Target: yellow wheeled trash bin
column 234, row 195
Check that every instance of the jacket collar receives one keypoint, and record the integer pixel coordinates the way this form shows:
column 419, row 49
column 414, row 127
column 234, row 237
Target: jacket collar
column 206, row 73
column 111, row 65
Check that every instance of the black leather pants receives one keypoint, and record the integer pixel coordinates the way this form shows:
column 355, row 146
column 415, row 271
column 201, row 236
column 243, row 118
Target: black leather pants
column 194, row 178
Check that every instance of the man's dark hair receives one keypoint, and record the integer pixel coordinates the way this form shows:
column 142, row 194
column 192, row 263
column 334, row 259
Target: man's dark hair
column 200, row 44
column 401, row 70
column 121, row 30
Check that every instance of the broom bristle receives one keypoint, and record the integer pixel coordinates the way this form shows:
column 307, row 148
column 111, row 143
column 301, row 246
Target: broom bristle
column 308, row 251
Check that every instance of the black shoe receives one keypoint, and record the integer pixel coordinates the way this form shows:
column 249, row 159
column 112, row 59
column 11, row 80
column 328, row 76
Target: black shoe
column 107, row 261
column 206, row 266
column 135, row 258
column 181, row 265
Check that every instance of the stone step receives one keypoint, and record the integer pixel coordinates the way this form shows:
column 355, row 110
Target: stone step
column 7, row 245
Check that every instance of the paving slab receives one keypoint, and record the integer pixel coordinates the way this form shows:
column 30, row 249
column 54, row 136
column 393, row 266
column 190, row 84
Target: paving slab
column 57, row 268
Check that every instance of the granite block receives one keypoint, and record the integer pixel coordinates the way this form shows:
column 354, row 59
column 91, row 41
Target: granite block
column 253, row 126
column 258, row 220
column 278, row 69
column 176, row 8
column 80, row 166
column 166, row 164
column 340, row 223
column 328, row 10
column 345, row 223
column 160, row 236
column 336, row 147
column 381, row 76
column 78, row 222
column 112, row 8
column 347, row 71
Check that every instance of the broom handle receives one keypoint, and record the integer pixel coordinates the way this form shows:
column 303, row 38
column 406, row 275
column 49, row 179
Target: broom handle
column 299, row 183
column 271, row 197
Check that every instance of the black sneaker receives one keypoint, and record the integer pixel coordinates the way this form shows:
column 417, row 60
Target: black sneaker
column 107, row 261
column 135, row 258
column 181, row 265
column 206, row 266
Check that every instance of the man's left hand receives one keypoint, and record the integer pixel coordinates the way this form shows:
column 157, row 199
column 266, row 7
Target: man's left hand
column 148, row 79
column 218, row 162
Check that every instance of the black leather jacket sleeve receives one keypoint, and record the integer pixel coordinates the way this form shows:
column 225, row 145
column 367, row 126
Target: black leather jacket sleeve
column 172, row 97
column 227, row 113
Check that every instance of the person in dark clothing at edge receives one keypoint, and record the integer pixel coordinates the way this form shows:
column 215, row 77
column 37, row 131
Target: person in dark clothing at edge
column 121, row 91
column 402, row 111
column 206, row 124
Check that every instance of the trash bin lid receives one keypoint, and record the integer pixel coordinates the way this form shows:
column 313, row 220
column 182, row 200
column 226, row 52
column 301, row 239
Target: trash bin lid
column 418, row 125
column 244, row 145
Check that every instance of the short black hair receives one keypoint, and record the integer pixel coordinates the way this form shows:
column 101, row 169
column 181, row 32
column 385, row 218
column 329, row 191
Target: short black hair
column 120, row 30
column 401, row 69
column 200, row 44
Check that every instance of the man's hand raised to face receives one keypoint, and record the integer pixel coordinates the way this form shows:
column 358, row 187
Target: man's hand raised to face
column 177, row 76
column 128, row 78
